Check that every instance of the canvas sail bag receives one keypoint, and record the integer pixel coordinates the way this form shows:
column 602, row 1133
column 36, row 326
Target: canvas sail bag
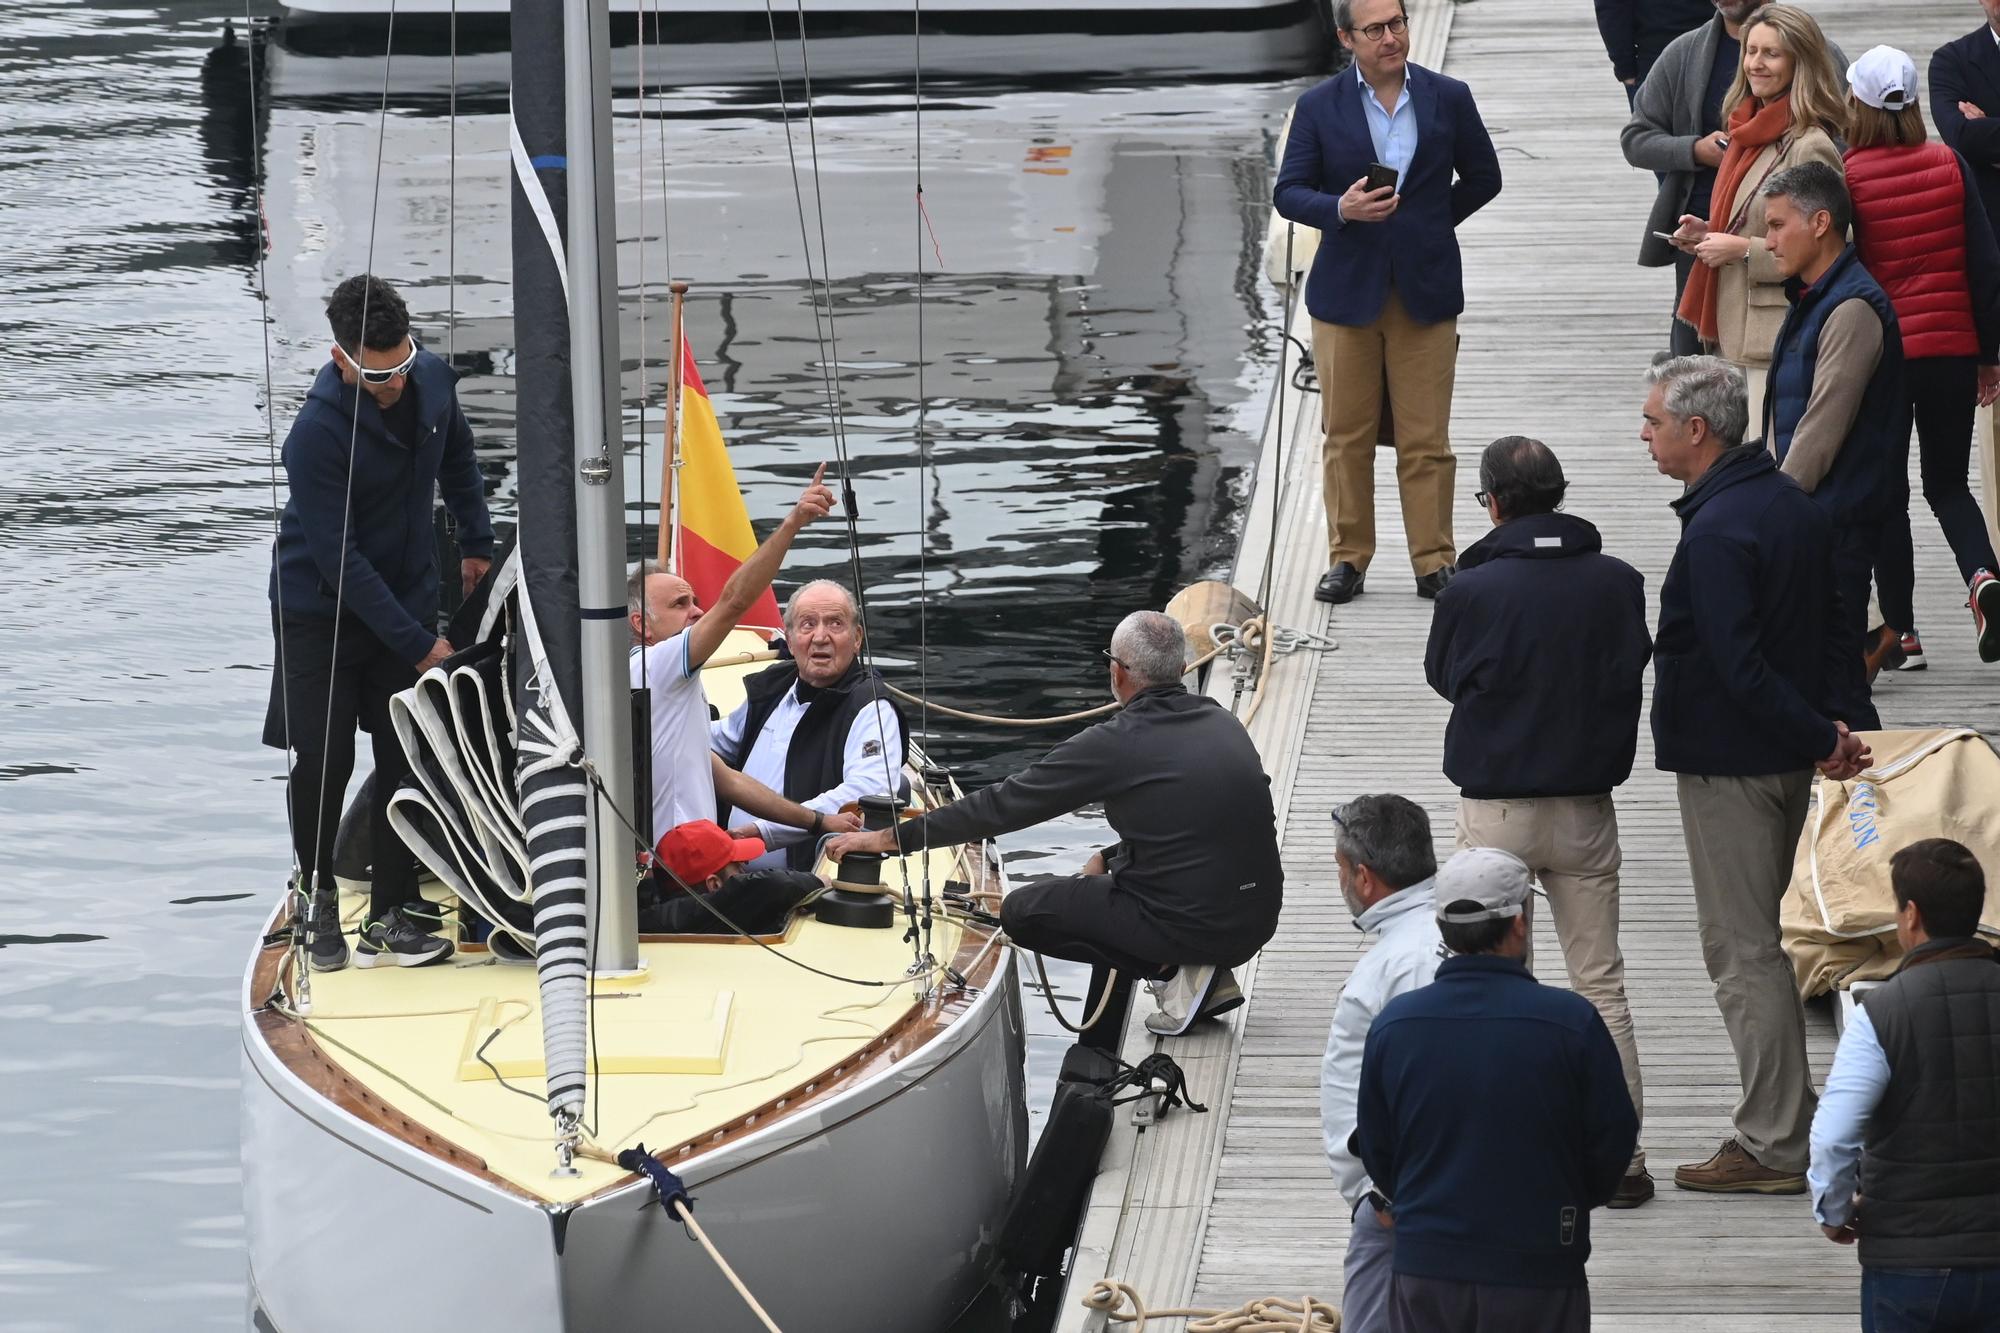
column 1838, row 916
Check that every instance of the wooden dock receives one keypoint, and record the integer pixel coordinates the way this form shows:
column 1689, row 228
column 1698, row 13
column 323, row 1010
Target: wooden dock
column 1215, row 1209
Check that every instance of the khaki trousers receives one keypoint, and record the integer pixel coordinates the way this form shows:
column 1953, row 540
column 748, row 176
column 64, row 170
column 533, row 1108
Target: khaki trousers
column 1741, row 834
column 1420, row 361
column 1571, row 844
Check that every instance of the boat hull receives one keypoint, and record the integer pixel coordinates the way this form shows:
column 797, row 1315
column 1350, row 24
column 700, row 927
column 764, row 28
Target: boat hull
column 871, row 1210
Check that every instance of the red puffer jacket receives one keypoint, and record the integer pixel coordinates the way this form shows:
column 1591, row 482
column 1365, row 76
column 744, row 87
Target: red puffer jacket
column 1909, row 225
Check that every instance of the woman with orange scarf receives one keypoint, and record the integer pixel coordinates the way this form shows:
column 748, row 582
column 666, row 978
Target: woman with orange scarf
column 1785, row 107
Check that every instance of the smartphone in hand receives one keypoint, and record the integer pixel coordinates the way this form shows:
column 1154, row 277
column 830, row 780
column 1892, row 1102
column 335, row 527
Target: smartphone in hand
column 1381, row 177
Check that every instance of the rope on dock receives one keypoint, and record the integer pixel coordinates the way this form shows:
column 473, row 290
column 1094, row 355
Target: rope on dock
column 1269, row 1314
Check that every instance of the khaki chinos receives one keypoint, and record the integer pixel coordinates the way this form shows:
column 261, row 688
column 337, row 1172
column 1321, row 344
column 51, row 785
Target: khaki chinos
column 1421, row 362
column 1571, row 845
column 1741, row 835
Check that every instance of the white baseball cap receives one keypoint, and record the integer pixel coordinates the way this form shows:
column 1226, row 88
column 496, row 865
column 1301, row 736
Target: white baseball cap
column 1498, row 881
column 1884, row 78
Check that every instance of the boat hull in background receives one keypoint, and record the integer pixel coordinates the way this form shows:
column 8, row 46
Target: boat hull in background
column 871, row 1210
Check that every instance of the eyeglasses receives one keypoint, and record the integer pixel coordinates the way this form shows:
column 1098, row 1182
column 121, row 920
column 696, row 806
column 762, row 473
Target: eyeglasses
column 1374, row 32
column 1481, row 497
column 1117, row 660
column 370, row 376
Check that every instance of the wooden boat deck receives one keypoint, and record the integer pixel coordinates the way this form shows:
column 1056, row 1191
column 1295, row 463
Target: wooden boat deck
column 1214, row 1209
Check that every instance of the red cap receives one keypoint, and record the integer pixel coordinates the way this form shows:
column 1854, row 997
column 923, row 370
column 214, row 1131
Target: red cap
column 699, row 848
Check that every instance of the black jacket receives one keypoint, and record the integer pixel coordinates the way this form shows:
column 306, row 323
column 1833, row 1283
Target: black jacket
column 390, row 557
column 1540, row 644
column 1930, row 1178
column 1968, row 70
column 1492, row 1111
column 1184, row 789
column 1636, row 31
column 1748, row 645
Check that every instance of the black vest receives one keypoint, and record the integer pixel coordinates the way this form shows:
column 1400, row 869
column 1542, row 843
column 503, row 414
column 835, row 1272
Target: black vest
column 816, row 760
column 1930, row 1177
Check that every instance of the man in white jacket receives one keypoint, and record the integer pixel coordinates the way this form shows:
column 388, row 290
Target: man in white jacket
column 1386, row 861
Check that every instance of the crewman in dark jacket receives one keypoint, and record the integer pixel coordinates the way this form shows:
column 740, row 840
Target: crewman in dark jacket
column 355, row 569
column 1492, row 1118
column 1636, row 31
column 1741, row 666
column 1904, row 1153
column 1540, row 643
column 1193, row 886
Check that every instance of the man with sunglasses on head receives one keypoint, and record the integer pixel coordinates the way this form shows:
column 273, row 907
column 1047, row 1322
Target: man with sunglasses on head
column 354, row 599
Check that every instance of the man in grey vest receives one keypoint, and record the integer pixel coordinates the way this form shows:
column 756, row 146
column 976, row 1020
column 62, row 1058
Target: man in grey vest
column 1904, row 1152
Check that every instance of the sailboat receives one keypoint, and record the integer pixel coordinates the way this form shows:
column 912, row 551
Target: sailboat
column 843, row 1101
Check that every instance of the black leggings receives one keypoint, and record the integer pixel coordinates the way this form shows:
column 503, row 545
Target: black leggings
column 1942, row 392
column 318, row 704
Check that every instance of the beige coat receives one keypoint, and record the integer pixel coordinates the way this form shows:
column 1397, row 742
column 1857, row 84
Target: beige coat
column 1750, row 298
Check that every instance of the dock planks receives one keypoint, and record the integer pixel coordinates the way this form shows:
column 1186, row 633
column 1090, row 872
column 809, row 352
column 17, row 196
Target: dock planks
column 1559, row 327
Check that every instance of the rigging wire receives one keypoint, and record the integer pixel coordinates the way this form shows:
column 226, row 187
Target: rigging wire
column 923, row 448
column 645, row 388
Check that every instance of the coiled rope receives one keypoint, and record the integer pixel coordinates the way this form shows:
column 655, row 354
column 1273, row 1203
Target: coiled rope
column 1270, row 1314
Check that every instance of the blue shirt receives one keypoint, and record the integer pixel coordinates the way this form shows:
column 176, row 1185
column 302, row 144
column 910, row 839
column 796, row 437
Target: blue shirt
column 1394, row 129
column 1854, row 1088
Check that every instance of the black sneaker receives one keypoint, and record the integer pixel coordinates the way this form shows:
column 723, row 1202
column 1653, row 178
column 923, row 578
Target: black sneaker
column 425, row 915
column 326, row 947
column 398, row 940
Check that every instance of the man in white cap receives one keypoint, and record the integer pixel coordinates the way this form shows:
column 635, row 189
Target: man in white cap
column 1493, row 1117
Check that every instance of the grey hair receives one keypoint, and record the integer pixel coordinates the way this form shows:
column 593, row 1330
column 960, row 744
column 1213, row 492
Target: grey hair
column 1389, row 834
column 1343, row 14
column 1522, row 475
column 853, row 607
column 1707, row 387
column 635, row 585
column 1153, row 647
column 1814, row 187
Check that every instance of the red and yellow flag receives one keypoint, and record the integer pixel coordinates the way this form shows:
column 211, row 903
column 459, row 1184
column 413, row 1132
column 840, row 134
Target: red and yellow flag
column 715, row 534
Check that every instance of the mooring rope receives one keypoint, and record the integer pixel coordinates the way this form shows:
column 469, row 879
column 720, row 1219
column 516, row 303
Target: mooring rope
column 1269, row 1314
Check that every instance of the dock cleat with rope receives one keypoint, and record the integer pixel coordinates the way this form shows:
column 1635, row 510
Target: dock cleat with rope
column 398, row 940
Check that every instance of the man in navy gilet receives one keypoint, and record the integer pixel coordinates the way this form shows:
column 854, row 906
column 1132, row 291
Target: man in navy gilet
column 1904, row 1154
column 1835, row 414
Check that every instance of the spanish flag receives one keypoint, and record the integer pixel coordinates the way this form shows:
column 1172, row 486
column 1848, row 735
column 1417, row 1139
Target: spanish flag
column 715, row 535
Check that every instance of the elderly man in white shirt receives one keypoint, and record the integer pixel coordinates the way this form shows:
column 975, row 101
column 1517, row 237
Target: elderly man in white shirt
column 820, row 728
column 1387, row 861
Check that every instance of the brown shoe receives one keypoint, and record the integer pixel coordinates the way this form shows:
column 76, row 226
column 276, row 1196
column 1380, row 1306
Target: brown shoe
column 1635, row 1189
column 1734, row 1171
column 1883, row 651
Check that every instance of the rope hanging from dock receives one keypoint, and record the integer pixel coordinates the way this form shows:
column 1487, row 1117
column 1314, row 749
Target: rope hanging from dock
column 1269, row 1314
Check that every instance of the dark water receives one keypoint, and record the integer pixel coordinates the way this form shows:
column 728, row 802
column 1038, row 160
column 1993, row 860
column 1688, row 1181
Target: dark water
column 1095, row 347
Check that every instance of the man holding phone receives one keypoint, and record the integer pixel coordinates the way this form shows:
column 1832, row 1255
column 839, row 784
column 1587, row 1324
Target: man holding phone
column 1386, row 160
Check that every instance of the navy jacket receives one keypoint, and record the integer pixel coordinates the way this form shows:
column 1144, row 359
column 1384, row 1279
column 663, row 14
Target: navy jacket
column 1870, row 476
column 1636, row 31
column 1748, row 645
column 1540, row 644
column 391, row 551
column 1416, row 249
column 1494, row 1115
column 1968, row 70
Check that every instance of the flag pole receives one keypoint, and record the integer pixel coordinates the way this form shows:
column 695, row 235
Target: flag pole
column 670, row 512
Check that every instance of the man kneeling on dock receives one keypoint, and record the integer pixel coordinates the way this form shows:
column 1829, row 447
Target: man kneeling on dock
column 1193, row 886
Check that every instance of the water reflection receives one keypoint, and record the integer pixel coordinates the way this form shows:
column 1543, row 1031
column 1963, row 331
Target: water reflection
column 1094, row 344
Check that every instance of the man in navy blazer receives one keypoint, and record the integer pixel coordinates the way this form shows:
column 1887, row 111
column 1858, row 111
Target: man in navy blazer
column 1385, row 289
column 1965, row 102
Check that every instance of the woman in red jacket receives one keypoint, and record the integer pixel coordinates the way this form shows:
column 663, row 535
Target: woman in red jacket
column 1924, row 235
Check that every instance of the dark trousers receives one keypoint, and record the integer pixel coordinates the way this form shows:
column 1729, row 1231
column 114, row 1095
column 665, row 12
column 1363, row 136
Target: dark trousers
column 1682, row 339
column 1942, row 390
column 1930, row 1300
column 1437, row 1305
column 326, row 686
column 1089, row 919
column 1848, row 697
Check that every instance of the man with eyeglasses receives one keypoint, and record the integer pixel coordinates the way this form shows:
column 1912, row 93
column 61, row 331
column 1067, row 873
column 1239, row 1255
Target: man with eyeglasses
column 354, row 599
column 1386, row 159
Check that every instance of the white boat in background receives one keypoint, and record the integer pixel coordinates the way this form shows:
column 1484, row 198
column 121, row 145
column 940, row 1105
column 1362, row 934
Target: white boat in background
column 1053, row 12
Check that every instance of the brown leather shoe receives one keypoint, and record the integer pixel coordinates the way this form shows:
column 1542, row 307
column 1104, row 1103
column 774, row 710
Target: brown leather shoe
column 1883, row 651
column 1734, row 1171
column 1635, row 1189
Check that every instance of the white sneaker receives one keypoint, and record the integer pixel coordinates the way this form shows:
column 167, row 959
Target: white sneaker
column 1194, row 992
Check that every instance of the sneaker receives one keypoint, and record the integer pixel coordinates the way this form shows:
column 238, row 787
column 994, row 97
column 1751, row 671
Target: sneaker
column 1985, row 604
column 1913, row 653
column 397, row 939
column 326, row 947
column 1194, row 992
column 1635, row 1189
column 1882, row 651
column 1734, row 1171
